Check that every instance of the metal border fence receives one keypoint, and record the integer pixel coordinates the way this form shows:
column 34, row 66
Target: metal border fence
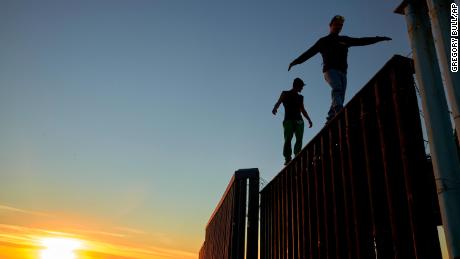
column 229, row 232
column 362, row 188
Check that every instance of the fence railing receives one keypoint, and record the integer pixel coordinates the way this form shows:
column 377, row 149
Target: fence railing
column 229, row 232
column 362, row 188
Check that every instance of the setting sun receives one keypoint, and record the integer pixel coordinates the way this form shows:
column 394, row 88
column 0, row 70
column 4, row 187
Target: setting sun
column 59, row 248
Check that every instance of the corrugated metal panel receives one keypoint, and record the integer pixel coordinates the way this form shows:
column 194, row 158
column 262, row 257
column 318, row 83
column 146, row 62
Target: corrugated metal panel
column 362, row 188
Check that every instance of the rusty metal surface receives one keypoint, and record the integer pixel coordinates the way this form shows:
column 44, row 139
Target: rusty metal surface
column 362, row 187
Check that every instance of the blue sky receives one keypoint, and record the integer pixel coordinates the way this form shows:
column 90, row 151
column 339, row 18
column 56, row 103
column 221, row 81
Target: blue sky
column 137, row 113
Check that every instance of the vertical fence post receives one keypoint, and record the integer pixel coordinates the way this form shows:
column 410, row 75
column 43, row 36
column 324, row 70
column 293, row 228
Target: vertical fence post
column 227, row 234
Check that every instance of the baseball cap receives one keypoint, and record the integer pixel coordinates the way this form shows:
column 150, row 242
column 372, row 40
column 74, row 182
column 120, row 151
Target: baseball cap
column 298, row 82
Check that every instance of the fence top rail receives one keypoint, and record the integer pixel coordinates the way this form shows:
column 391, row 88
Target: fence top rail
column 250, row 173
column 397, row 61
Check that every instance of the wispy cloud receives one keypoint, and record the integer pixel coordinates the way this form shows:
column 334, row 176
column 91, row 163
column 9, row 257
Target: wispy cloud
column 29, row 212
column 13, row 245
column 96, row 233
column 162, row 238
column 21, row 235
column 131, row 230
column 174, row 253
column 99, row 255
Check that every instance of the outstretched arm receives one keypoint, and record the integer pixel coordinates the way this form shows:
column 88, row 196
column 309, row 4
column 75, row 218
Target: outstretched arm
column 277, row 104
column 305, row 56
column 365, row 40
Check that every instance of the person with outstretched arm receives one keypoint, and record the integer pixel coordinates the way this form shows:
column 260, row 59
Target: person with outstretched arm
column 334, row 50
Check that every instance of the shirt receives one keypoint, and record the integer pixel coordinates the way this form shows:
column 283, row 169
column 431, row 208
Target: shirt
column 334, row 50
column 292, row 102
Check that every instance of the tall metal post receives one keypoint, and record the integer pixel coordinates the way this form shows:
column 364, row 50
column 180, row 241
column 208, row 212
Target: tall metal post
column 439, row 11
column 446, row 164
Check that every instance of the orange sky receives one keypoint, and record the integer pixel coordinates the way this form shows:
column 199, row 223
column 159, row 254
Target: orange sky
column 99, row 241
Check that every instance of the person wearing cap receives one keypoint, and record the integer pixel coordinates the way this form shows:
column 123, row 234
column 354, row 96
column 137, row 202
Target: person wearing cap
column 334, row 50
column 293, row 122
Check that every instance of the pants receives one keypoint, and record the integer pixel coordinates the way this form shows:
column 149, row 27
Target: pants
column 338, row 82
column 291, row 128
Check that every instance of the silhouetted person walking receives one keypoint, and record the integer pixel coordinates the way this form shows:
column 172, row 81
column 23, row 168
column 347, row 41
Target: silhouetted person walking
column 334, row 50
column 293, row 122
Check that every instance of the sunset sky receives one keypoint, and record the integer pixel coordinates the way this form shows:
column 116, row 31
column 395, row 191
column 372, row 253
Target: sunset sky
column 122, row 121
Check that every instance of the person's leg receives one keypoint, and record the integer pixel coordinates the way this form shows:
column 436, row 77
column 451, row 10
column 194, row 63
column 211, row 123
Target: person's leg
column 299, row 127
column 288, row 126
column 335, row 81
column 343, row 79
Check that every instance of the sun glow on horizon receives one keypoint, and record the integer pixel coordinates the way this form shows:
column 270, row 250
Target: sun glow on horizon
column 26, row 242
column 59, row 248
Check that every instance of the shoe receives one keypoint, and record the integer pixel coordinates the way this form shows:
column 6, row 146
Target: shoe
column 287, row 161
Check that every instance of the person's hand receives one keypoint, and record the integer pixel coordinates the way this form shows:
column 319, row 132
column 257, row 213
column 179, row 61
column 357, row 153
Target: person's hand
column 311, row 124
column 385, row 38
column 274, row 111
